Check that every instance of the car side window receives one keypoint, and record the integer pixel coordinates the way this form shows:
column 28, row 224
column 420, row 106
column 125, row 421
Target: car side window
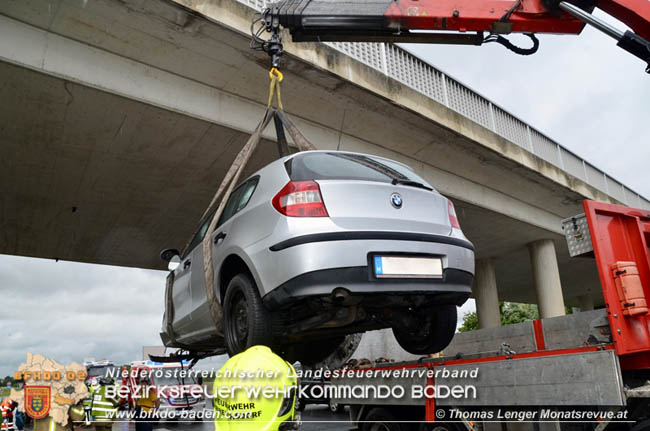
column 198, row 237
column 238, row 200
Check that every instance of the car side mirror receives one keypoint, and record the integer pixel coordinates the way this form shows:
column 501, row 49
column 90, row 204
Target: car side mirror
column 174, row 263
column 172, row 257
column 168, row 253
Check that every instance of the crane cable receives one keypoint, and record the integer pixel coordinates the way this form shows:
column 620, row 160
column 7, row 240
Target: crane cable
column 492, row 37
column 511, row 46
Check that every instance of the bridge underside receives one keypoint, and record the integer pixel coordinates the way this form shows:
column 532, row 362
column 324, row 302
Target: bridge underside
column 119, row 119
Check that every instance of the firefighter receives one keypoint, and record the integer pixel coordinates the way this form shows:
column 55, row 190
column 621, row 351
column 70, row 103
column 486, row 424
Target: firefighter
column 103, row 408
column 8, row 406
column 237, row 411
column 145, row 406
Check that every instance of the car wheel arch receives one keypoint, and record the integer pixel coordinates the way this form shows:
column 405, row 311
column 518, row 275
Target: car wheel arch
column 232, row 265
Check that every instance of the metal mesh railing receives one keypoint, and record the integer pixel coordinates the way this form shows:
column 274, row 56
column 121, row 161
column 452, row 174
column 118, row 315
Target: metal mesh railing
column 546, row 149
column 616, row 189
column 573, row 164
column 596, row 177
column 411, row 71
column 464, row 101
column 510, row 127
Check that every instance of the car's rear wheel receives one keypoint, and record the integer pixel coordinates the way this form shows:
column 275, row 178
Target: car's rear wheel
column 246, row 322
column 436, row 328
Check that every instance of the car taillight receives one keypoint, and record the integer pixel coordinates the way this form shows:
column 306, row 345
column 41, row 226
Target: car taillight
column 453, row 219
column 300, row 199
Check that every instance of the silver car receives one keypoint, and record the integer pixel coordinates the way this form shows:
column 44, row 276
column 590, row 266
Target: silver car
column 321, row 244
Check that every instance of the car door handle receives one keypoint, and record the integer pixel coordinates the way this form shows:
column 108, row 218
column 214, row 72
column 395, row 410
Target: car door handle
column 187, row 264
column 219, row 236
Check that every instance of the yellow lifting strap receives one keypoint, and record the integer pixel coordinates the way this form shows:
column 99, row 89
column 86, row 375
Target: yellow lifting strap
column 276, row 78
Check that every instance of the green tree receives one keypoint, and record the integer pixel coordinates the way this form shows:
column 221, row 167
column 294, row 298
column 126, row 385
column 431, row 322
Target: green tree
column 470, row 322
column 511, row 312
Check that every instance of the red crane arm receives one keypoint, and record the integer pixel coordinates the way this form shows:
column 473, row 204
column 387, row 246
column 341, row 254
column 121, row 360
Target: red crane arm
column 634, row 13
column 456, row 21
column 471, row 15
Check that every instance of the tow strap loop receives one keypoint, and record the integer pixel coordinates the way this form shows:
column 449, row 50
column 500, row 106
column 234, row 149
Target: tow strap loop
column 274, row 87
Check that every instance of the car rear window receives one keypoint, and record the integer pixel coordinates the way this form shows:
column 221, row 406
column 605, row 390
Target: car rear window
column 345, row 166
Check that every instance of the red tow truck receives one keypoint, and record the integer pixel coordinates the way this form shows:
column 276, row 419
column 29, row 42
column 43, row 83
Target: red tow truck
column 591, row 369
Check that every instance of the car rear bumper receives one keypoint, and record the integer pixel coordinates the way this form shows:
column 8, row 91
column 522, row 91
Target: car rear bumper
column 317, row 263
column 454, row 287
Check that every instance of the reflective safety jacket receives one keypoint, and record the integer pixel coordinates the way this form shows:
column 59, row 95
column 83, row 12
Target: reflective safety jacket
column 245, row 411
column 103, row 409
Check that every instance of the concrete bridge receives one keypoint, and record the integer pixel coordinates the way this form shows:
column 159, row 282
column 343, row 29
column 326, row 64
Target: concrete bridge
column 120, row 117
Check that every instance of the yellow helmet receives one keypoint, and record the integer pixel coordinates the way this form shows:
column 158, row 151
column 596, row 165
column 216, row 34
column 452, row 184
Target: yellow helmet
column 255, row 390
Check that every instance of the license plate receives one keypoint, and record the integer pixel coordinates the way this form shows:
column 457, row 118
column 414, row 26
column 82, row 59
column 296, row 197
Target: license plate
column 407, row 267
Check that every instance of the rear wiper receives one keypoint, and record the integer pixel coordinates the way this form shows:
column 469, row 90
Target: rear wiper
column 410, row 183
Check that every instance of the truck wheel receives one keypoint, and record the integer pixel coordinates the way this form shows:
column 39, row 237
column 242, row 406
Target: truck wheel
column 379, row 419
column 246, row 322
column 437, row 328
column 336, row 407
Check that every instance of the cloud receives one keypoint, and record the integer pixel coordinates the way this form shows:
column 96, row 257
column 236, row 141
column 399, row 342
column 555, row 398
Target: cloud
column 71, row 311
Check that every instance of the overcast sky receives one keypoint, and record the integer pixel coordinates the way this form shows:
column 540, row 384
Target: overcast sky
column 584, row 92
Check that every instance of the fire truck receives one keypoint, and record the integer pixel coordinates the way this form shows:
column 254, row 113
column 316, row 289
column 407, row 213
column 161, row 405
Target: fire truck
column 589, row 368
column 97, row 369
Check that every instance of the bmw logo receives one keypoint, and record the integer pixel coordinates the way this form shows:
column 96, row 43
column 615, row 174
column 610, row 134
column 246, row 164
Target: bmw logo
column 396, row 200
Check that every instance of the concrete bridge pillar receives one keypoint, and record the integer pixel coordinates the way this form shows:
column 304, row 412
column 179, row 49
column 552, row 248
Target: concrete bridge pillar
column 546, row 278
column 485, row 292
column 586, row 302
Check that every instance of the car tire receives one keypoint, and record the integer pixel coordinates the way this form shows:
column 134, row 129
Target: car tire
column 246, row 322
column 380, row 419
column 435, row 333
